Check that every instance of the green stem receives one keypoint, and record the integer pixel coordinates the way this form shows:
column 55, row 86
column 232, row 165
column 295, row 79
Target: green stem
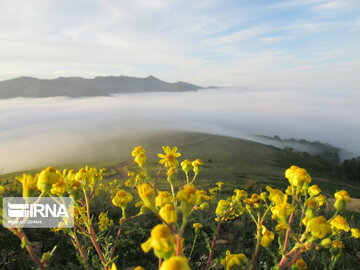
column 172, row 190
column 257, row 247
column 193, row 245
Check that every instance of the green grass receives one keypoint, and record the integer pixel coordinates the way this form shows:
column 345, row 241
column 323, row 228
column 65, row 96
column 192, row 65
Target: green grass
column 236, row 162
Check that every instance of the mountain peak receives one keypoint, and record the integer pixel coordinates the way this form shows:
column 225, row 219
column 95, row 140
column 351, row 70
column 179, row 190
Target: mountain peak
column 80, row 87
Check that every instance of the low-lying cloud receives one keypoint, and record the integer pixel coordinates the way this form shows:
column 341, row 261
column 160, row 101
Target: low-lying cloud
column 38, row 132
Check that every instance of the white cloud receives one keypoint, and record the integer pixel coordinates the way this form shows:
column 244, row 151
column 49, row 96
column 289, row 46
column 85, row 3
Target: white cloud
column 174, row 40
column 337, row 6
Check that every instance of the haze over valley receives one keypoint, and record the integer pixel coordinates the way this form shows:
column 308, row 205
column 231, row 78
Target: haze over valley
column 37, row 132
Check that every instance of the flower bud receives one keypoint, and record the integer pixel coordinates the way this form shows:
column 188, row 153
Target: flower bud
column 204, row 206
column 340, row 205
column 326, row 243
column 147, row 195
column 46, row 178
column 263, row 196
column 168, row 213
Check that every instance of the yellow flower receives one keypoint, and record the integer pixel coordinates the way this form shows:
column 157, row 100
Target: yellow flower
column 186, row 165
column 201, row 196
column 276, row 195
column 214, row 190
column 122, row 198
column 240, row 194
column 311, row 203
column 147, row 195
column 223, row 208
column 138, row 150
column 321, row 200
column 161, row 240
column 163, row 198
column 305, row 221
column 340, row 223
column 297, row 176
column 300, row 265
column 289, row 190
column 187, row 194
column 46, row 178
column 355, row 233
column 140, row 159
column 75, row 185
column 168, row 213
column 196, row 164
column 128, row 183
column 171, row 175
column 281, row 211
column 281, row 226
column 267, row 237
column 254, row 200
column 29, row 184
column 314, row 190
column 342, row 195
column 318, row 227
column 175, row 263
column 71, row 174
column 197, row 227
column 219, row 184
column 82, row 174
column 59, row 187
column 139, row 268
column 113, row 266
column 171, row 171
column 104, row 221
column 338, row 244
column 169, row 159
column 234, row 261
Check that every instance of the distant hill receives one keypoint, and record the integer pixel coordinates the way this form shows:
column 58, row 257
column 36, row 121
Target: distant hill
column 80, row 87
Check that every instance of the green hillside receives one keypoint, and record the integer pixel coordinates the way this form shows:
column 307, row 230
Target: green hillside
column 236, row 162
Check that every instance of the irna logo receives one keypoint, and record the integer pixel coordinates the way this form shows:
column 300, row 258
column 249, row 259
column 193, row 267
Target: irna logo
column 34, row 212
column 22, row 210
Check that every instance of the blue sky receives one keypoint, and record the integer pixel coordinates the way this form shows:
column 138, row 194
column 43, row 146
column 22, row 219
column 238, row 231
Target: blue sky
column 293, row 43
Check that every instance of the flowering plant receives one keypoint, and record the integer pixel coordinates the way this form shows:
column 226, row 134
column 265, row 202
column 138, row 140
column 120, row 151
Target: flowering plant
column 289, row 224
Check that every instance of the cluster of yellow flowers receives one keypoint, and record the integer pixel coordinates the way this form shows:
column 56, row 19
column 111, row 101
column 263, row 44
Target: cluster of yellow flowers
column 273, row 212
column 299, row 201
column 166, row 238
column 58, row 183
column 104, row 221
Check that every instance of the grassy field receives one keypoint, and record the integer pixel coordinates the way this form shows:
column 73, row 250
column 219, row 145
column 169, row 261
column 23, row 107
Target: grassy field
column 236, row 162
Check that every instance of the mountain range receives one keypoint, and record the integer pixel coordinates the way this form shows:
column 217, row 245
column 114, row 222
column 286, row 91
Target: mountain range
column 80, row 87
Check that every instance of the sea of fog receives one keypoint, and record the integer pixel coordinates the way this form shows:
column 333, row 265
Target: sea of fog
column 38, row 132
